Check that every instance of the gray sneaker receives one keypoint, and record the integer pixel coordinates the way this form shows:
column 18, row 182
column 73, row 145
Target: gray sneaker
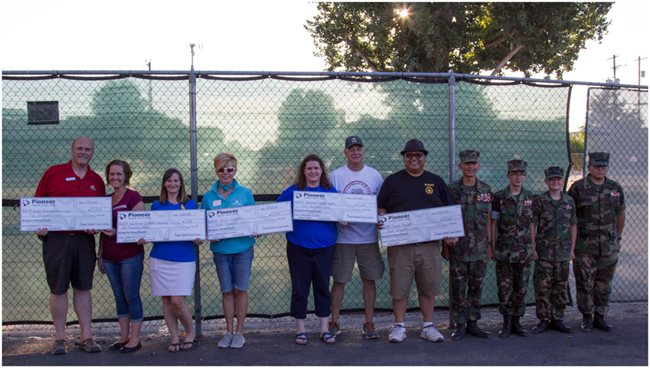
column 89, row 346
column 432, row 334
column 225, row 341
column 368, row 331
column 58, row 348
column 238, row 341
column 397, row 333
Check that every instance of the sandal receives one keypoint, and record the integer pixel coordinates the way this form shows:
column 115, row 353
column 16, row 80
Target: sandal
column 174, row 347
column 301, row 338
column 328, row 338
column 185, row 343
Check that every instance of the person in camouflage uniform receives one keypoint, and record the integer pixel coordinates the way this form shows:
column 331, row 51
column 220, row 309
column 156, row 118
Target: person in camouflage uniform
column 468, row 258
column 512, row 214
column 554, row 233
column 601, row 217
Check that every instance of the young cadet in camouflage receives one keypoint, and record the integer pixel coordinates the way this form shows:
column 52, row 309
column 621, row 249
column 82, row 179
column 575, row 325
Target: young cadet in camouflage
column 554, row 233
column 512, row 214
column 601, row 217
column 468, row 258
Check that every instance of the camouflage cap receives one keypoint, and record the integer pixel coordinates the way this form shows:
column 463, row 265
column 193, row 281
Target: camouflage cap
column 554, row 172
column 353, row 140
column 469, row 156
column 599, row 158
column 517, row 165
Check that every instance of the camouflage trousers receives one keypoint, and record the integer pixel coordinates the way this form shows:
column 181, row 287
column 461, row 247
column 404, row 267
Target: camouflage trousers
column 550, row 280
column 594, row 276
column 512, row 283
column 466, row 280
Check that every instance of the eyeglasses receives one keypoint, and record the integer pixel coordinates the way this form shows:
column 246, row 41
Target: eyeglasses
column 417, row 155
column 229, row 170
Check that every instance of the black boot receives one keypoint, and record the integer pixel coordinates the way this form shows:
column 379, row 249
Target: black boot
column 517, row 328
column 473, row 329
column 587, row 324
column 558, row 325
column 541, row 326
column 507, row 327
column 601, row 324
column 459, row 333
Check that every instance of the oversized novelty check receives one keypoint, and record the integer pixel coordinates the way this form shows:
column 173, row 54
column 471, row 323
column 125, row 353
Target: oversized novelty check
column 172, row 225
column 321, row 206
column 249, row 220
column 65, row 213
column 421, row 225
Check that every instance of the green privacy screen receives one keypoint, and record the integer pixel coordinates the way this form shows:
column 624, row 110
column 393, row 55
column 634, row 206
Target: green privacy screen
column 270, row 123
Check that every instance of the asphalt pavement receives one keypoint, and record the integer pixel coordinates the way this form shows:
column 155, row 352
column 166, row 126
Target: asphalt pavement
column 270, row 342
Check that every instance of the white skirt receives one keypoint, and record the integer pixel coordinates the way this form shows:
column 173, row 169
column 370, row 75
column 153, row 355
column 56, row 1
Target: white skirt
column 171, row 278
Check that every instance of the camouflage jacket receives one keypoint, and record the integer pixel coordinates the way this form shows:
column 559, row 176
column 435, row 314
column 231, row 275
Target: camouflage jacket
column 513, row 216
column 597, row 207
column 476, row 205
column 554, row 220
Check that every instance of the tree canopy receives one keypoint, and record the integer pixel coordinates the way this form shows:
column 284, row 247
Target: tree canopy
column 468, row 37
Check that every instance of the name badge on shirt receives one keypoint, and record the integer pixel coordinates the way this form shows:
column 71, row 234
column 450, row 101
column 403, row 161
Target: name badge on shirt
column 72, row 178
column 216, row 202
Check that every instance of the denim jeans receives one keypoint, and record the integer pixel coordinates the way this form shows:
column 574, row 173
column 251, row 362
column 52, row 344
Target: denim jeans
column 125, row 277
column 234, row 270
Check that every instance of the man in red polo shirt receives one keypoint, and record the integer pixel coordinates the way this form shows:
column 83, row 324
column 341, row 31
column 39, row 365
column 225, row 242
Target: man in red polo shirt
column 69, row 256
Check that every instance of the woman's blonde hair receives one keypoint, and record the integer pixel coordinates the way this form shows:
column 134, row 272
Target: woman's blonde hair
column 223, row 159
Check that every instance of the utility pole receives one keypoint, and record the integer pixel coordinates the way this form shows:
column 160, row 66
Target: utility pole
column 614, row 66
column 148, row 62
column 641, row 73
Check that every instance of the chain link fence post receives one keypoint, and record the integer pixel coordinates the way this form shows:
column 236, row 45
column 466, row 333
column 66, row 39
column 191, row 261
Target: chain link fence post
column 452, row 159
column 195, row 196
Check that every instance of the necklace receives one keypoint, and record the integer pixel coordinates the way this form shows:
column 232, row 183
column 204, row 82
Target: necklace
column 227, row 187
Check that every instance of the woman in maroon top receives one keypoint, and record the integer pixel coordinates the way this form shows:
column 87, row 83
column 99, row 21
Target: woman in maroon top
column 123, row 263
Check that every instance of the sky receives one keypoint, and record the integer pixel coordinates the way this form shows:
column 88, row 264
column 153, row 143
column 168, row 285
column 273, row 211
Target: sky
column 235, row 36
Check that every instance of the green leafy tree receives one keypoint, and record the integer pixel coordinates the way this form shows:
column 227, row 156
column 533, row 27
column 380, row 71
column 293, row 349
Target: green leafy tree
column 468, row 37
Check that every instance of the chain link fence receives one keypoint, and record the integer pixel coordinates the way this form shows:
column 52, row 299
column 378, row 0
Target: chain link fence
column 617, row 122
column 270, row 122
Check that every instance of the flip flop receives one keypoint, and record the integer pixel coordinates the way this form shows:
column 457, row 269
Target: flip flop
column 301, row 338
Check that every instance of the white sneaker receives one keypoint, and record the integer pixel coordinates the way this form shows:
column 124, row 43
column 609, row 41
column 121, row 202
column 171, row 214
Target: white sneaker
column 397, row 333
column 432, row 334
column 238, row 341
column 225, row 340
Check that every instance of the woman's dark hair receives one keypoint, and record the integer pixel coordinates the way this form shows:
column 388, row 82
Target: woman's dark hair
column 301, row 180
column 125, row 167
column 182, row 195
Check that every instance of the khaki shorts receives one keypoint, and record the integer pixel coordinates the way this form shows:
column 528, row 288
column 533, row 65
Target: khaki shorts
column 419, row 261
column 367, row 256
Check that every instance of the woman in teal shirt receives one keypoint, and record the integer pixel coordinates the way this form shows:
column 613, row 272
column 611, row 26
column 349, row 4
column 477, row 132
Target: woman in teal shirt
column 233, row 257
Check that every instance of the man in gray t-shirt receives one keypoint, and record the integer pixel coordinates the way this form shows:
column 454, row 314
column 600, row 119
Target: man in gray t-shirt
column 356, row 241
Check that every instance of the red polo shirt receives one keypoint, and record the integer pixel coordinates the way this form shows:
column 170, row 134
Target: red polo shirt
column 61, row 181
